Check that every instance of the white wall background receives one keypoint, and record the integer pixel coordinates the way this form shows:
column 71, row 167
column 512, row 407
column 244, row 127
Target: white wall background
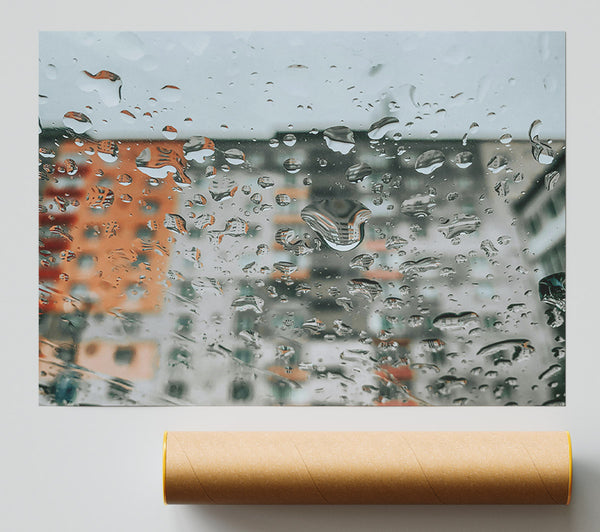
column 98, row 469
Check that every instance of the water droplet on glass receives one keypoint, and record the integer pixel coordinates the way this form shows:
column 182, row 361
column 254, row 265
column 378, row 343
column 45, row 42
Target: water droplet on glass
column 289, row 139
column 362, row 262
column 70, row 167
column 314, row 325
column 339, row 222
column 552, row 371
column 292, row 165
column 234, row 156
column 365, row 287
column 100, row 197
column 126, row 198
column 451, row 322
column 222, row 188
column 452, row 196
column 553, row 290
column 256, row 198
column 339, row 139
column 502, row 188
column 431, row 345
column 461, row 224
column 395, row 242
column 285, row 267
column 128, row 116
column 473, row 128
column 426, row 264
column 203, row 221
column 234, row 227
column 158, row 169
column 108, row 151
column 357, row 172
column 265, row 182
column 513, row 349
column 290, row 241
column 420, row 205
column 415, row 321
column 283, row 200
column 506, row 138
column 541, row 150
column 341, row 329
column 429, row 161
column 198, row 149
column 175, row 223
column 78, row 122
column 273, row 143
column 488, row 248
column 380, row 128
column 170, row 93
column 551, row 179
column 244, row 303
column 107, row 84
column 464, row 159
column 497, row 163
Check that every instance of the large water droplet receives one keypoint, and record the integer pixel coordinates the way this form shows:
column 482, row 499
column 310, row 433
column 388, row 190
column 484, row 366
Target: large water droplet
column 107, row 84
column 108, row 151
column 497, row 163
column 289, row 139
column 464, row 159
column 235, row 156
column 78, row 122
column 339, row 222
column 198, row 149
column 158, row 169
column 292, row 165
column 553, row 290
column 429, row 161
column 339, row 139
column 169, row 132
column 380, row 128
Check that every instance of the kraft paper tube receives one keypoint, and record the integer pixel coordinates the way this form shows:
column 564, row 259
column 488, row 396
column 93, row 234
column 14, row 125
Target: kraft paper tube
column 367, row 467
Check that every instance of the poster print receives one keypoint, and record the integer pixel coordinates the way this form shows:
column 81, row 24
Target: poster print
column 302, row 218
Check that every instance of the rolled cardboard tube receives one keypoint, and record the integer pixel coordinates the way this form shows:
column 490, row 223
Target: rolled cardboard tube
column 367, row 468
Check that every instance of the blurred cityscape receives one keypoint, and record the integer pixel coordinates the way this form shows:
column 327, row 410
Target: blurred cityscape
column 329, row 267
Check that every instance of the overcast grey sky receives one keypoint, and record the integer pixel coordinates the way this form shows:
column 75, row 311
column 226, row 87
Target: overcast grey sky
column 259, row 83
